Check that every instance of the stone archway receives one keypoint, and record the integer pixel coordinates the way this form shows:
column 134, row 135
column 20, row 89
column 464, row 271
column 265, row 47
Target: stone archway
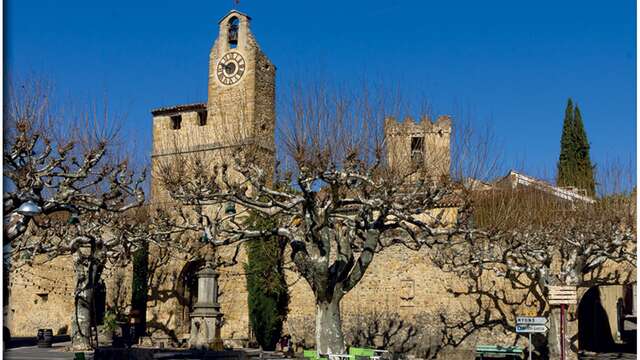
column 594, row 330
column 187, row 295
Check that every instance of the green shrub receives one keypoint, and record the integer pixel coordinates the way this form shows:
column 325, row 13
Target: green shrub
column 139, row 285
column 268, row 296
column 109, row 322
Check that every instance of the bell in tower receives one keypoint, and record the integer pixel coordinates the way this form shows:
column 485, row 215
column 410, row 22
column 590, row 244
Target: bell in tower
column 232, row 34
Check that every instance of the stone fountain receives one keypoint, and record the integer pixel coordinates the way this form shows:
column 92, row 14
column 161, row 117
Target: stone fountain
column 206, row 318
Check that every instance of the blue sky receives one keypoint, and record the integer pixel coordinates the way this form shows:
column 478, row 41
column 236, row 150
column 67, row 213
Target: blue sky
column 512, row 64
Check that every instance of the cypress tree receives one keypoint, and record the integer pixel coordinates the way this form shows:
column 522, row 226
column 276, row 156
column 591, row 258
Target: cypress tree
column 574, row 165
column 567, row 162
column 268, row 295
column 584, row 176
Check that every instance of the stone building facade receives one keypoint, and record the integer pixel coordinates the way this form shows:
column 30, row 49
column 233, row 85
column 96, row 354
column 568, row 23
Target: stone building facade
column 240, row 110
column 239, row 115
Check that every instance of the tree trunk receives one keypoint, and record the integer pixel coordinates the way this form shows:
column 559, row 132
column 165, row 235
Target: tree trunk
column 329, row 336
column 88, row 270
column 82, row 321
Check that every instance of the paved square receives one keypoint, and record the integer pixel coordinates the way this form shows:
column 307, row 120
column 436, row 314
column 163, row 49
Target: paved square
column 35, row 353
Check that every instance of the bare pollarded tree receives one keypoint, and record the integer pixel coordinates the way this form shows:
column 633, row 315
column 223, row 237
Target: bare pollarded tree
column 52, row 163
column 336, row 201
column 94, row 241
column 526, row 240
column 57, row 168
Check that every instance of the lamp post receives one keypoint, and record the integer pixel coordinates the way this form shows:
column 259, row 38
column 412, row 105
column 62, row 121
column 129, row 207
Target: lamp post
column 29, row 208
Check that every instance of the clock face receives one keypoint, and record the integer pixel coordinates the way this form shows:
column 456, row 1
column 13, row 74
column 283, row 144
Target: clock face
column 230, row 68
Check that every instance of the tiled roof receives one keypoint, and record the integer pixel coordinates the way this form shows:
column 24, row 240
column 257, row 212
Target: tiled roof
column 178, row 109
column 514, row 179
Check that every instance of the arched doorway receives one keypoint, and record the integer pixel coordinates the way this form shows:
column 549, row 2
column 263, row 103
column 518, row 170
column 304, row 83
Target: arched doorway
column 187, row 295
column 594, row 331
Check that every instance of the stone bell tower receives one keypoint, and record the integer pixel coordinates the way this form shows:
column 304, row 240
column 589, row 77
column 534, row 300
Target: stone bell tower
column 239, row 112
column 237, row 118
column 241, row 103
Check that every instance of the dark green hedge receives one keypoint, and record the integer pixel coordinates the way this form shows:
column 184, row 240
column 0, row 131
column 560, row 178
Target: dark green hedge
column 140, row 285
column 268, row 296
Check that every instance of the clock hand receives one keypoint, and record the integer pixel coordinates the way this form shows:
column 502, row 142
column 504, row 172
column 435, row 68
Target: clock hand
column 226, row 67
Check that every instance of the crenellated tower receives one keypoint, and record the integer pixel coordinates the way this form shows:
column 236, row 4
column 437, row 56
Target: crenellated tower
column 425, row 144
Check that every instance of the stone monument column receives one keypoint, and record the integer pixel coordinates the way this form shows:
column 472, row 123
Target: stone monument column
column 206, row 318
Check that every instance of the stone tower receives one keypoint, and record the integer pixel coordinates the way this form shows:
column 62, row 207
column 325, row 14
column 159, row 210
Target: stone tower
column 425, row 144
column 240, row 110
column 241, row 83
column 237, row 118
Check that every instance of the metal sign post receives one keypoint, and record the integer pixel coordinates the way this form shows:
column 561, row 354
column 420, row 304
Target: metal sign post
column 561, row 331
column 530, row 325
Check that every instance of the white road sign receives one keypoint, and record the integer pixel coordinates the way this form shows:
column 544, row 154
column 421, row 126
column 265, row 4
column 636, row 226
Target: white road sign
column 521, row 320
column 530, row 328
column 559, row 295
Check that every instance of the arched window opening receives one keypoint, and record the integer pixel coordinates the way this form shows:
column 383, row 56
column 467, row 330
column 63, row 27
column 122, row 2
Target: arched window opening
column 234, row 25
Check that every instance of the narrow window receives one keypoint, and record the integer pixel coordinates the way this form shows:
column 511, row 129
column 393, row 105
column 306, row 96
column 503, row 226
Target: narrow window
column 233, row 32
column 176, row 122
column 417, row 149
column 202, row 118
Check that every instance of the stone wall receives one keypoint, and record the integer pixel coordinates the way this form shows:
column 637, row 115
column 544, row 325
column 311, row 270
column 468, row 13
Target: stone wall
column 41, row 296
column 400, row 284
column 401, row 289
